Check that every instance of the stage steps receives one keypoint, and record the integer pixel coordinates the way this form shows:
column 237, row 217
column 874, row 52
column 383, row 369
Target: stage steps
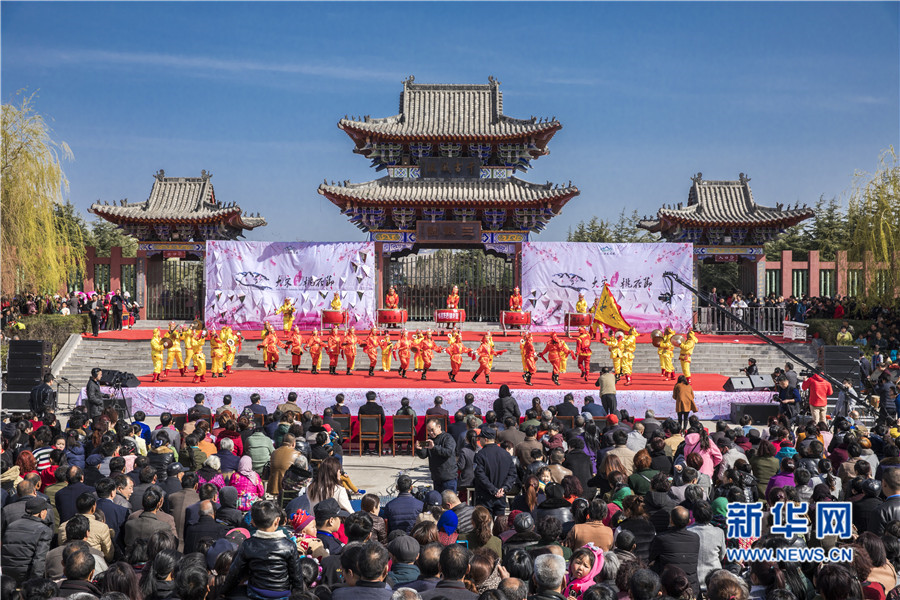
column 721, row 358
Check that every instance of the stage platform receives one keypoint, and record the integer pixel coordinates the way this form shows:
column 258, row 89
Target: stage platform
column 317, row 392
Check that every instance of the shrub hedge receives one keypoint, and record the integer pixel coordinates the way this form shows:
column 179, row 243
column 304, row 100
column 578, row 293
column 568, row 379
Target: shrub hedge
column 829, row 328
column 55, row 328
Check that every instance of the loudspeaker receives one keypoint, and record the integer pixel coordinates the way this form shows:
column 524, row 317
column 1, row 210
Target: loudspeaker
column 762, row 382
column 17, row 402
column 123, row 378
column 28, row 362
column 760, row 413
column 738, row 384
column 841, row 362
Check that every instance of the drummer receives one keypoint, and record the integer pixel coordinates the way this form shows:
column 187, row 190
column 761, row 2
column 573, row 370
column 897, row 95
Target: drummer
column 452, row 303
column 515, row 301
column 392, row 301
column 581, row 306
column 336, row 301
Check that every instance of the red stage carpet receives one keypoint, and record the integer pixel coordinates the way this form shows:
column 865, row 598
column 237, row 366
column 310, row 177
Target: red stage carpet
column 468, row 336
column 436, row 379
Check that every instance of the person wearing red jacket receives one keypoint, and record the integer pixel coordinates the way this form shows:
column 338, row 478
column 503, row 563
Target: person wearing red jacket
column 427, row 348
column 819, row 390
column 333, row 350
column 349, row 348
column 370, row 346
column 556, row 350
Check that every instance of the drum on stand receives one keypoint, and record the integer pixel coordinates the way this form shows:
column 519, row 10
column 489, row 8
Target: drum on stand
column 392, row 316
column 449, row 316
column 575, row 320
column 330, row 318
column 515, row 317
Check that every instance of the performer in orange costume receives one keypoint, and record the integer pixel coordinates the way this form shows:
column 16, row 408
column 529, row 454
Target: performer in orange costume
column 427, row 348
column 349, row 348
column 294, row 345
column 453, row 298
column 270, row 347
column 403, row 347
column 515, row 301
column 333, row 349
column 583, row 351
column 392, row 300
column 529, row 356
column 556, row 350
column 370, row 346
column 485, row 355
column 455, row 350
column 314, row 345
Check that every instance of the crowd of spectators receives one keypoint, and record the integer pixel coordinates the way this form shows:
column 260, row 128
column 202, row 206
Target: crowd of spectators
column 549, row 505
column 113, row 311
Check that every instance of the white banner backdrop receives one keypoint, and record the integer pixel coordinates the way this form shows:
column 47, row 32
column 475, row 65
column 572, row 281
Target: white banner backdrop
column 553, row 273
column 246, row 282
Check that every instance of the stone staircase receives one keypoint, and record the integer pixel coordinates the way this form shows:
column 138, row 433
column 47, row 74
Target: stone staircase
column 721, row 358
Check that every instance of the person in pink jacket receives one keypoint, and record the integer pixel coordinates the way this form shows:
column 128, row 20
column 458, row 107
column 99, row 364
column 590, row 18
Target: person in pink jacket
column 819, row 390
column 700, row 443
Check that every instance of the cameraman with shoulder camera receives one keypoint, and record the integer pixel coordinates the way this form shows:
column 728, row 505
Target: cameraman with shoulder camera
column 95, row 397
column 788, row 397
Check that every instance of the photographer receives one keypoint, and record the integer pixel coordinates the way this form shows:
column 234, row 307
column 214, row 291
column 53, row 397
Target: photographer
column 788, row 397
column 751, row 368
column 847, row 396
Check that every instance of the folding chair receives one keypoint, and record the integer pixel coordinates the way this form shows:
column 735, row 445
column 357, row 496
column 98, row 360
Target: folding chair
column 179, row 420
column 444, row 419
column 404, row 431
column 370, row 431
column 343, row 422
column 568, row 422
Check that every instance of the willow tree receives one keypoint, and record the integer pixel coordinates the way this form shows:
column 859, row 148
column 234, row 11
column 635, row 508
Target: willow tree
column 874, row 217
column 39, row 252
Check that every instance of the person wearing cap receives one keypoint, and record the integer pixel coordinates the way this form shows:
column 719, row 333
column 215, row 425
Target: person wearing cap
column 440, row 450
column 404, row 551
column 328, row 520
column 268, row 560
column 495, row 473
column 26, row 542
column 172, row 483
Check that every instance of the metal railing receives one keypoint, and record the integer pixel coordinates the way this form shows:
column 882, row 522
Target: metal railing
column 766, row 319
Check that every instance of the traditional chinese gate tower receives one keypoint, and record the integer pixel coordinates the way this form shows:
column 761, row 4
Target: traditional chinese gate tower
column 451, row 156
column 172, row 227
column 725, row 224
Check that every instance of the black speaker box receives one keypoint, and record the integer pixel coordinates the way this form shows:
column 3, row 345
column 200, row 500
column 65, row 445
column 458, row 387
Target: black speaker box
column 841, row 362
column 762, row 382
column 123, row 378
column 738, row 384
column 27, row 363
column 16, row 401
column 760, row 413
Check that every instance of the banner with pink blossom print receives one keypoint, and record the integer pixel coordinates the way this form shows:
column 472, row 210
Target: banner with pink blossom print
column 553, row 274
column 246, row 282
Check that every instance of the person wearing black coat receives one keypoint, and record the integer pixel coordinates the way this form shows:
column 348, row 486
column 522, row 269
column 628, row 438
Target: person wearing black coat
column 65, row 498
column 115, row 515
column 506, row 405
column 567, row 408
column 27, row 542
column 555, row 505
column 579, row 463
column 678, row 546
column 206, row 526
column 440, row 450
column 402, row 511
column 95, row 396
column 495, row 474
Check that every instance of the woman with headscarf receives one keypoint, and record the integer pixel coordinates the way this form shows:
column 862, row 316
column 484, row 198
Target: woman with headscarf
column 586, row 564
column 447, row 524
column 246, row 481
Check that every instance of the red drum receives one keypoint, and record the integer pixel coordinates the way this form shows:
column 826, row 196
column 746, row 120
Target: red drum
column 575, row 320
column 522, row 319
column 450, row 315
column 333, row 317
column 391, row 316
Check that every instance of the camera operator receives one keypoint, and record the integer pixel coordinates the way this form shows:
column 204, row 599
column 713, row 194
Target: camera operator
column 788, row 397
column 751, row 368
column 847, row 397
column 95, row 397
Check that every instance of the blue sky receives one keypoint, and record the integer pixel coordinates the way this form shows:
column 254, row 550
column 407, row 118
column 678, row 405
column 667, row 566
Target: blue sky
column 797, row 95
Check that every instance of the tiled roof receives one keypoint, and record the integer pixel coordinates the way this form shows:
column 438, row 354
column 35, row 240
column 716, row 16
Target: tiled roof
column 723, row 203
column 450, row 192
column 450, row 110
column 182, row 199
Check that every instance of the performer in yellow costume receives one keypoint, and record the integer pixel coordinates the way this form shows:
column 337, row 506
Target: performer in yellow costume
column 564, row 360
column 581, row 306
column 287, row 309
column 596, row 324
column 417, row 338
column 685, row 351
column 199, row 358
column 666, row 353
column 156, row 354
column 188, row 337
column 490, row 339
column 231, row 349
column 387, row 350
column 615, row 353
column 627, row 346
column 336, row 302
column 173, row 356
column 217, row 352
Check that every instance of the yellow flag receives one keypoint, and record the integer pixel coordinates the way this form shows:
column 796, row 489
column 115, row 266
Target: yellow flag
column 608, row 311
